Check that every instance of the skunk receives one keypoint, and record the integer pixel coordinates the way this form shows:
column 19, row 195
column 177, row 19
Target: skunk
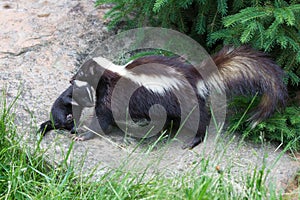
column 174, row 83
column 67, row 108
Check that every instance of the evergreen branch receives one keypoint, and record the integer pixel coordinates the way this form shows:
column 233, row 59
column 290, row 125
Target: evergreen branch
column 246, row 15
column 159, row 4
column 249, row 32
column 222, row 7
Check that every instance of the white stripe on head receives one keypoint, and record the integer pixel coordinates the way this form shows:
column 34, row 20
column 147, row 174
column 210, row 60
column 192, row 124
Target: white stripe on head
column 155, row 83
column 91, row 93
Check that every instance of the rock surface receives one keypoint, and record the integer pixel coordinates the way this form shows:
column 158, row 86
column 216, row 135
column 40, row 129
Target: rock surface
column 42, row 44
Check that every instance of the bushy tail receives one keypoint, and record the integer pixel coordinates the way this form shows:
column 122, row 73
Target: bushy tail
column 246, row 71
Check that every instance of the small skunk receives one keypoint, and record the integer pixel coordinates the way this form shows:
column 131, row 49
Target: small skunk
column 67, row 108
column 172, row 84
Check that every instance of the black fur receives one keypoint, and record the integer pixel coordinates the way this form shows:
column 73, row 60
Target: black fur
column 243, row 71
column 66, row 110
column 142, row 99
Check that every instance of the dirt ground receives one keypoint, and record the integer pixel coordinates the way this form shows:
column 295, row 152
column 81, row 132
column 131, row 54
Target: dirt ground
column 42, row 44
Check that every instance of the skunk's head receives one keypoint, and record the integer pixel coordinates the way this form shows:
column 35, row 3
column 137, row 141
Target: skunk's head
column 89, row 72
column 83, row 94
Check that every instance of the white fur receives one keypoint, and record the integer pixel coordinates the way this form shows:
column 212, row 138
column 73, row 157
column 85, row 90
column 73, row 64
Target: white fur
column 74, row 103
column 91, row 93
column 80, row 83
column 107, row 64
column 202, row 89
column 155, row 83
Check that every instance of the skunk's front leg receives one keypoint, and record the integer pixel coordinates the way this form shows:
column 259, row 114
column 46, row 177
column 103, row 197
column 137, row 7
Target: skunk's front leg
column 100, row 124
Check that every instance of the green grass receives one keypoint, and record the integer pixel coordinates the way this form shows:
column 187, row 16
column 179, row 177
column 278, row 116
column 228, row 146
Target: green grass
column 25, row 174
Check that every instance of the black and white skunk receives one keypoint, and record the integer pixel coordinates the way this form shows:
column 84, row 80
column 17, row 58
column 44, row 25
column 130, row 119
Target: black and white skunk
column 174, row 83
column 67, row 108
